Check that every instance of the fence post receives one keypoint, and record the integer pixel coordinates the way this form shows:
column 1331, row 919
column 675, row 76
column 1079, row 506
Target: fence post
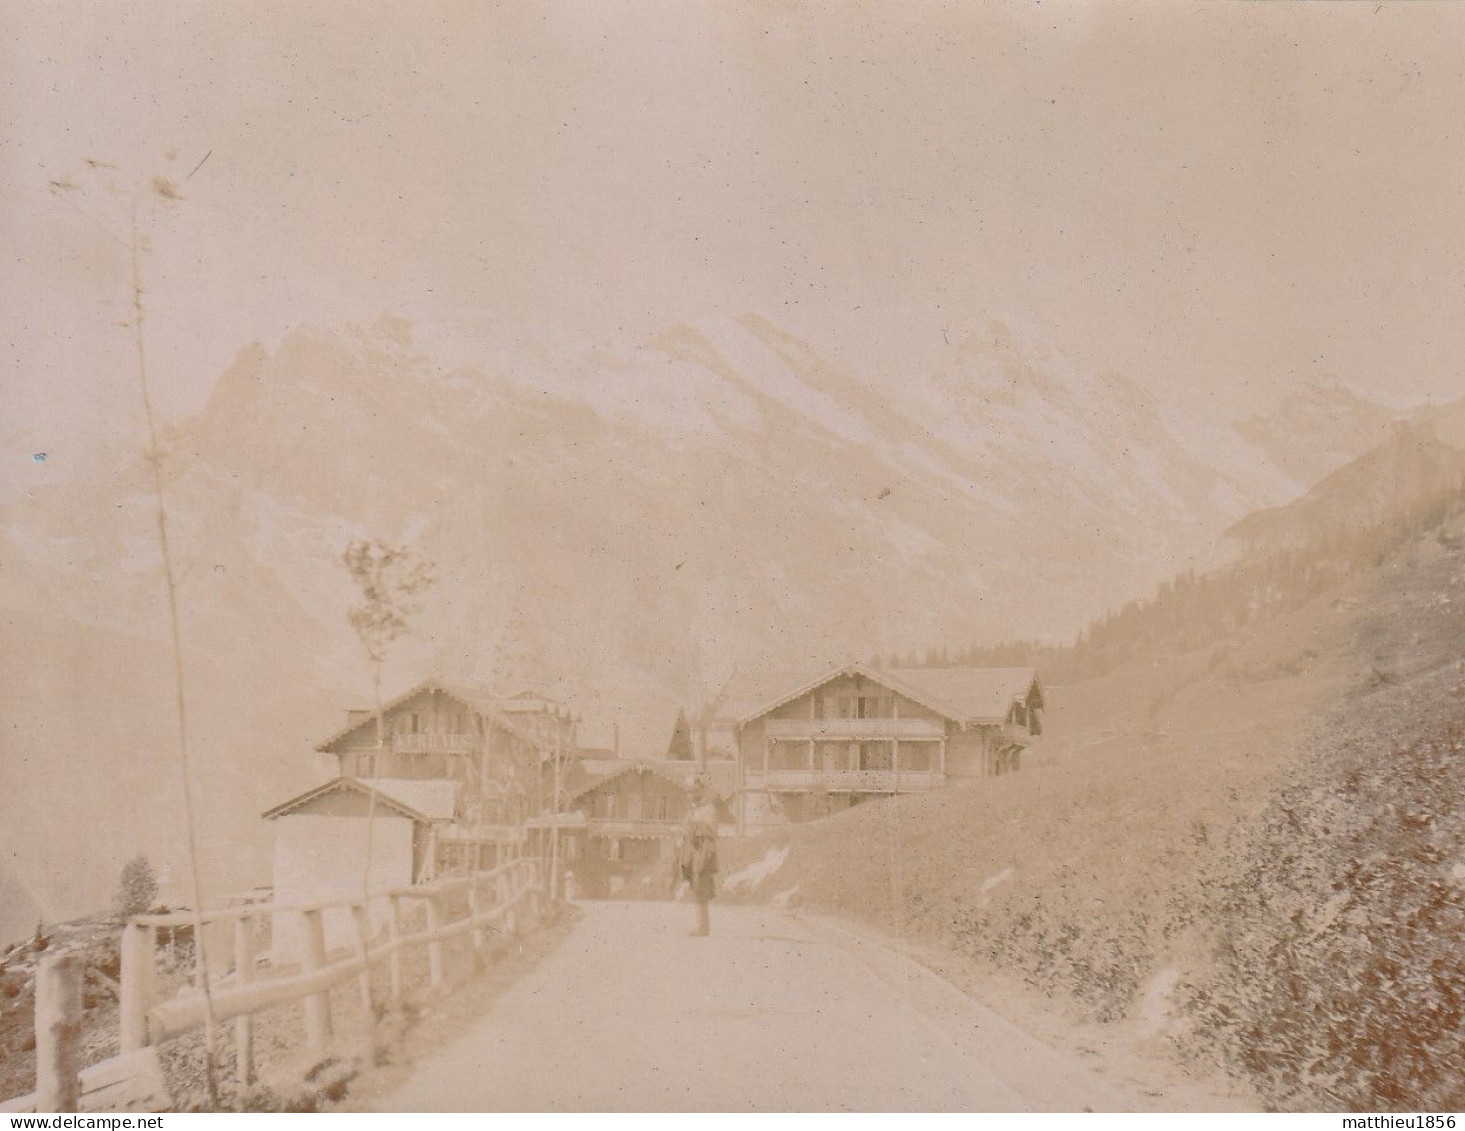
column 475, row 910
column 244, row 1023
column 313, row 957
column 434, row 943
column 394, row 928
column 138, row 943
column 363, row 951
column 58, row 1034
column 504, row 890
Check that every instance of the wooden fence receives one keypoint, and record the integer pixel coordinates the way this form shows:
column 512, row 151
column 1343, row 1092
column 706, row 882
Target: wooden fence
column 497, row 900
column 502, row 901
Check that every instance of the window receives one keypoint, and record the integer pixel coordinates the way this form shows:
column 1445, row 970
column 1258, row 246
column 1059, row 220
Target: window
column 832, row 757
column 917, row 755
column 874, row 755
column 788, row 756
column 866, row 706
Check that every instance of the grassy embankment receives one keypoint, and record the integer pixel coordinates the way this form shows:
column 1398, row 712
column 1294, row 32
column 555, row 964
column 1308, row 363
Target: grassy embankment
column 1255, row 847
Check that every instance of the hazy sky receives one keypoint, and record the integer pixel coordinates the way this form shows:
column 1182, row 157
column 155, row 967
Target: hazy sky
column 1221, row 200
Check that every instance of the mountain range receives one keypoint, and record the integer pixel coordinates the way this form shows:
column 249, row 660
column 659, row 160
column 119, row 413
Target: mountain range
column 634, row 521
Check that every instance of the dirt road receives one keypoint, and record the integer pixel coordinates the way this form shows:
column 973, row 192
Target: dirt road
column 770, row 1013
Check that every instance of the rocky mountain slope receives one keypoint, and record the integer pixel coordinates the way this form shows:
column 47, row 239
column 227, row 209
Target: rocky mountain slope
column 1421, row 458
column 1304, row 434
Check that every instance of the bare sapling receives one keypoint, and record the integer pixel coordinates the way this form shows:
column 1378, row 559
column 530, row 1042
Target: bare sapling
column 391, row 581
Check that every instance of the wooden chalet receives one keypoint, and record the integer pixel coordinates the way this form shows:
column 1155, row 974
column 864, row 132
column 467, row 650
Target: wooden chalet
column 811, row 744
column 631, row 814
column 447, row 786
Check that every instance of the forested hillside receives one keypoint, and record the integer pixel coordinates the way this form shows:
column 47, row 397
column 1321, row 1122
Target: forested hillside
column 1327, row 542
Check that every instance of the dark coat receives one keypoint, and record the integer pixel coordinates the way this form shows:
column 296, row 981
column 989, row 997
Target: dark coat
column 697, row 856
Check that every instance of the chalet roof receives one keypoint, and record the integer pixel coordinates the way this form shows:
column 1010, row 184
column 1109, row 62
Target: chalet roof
column 595, row 781
column 527, row 699
column 750, row 694
column 962, row 694
column 351, row 785
column 721, row 777
column 974, row 694
column 474, row 700
column 587, row 773
column 422, row 799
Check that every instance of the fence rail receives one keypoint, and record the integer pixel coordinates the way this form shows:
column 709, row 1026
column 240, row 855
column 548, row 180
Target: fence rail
column 847, row 781
column 500, row 900
column 854, row 729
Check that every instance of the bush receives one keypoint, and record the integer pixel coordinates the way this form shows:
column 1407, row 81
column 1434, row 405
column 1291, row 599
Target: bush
column 1341, row 980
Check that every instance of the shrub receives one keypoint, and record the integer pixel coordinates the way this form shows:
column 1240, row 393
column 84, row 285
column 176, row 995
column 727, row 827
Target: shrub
column 137, row 889
column 1341, row 980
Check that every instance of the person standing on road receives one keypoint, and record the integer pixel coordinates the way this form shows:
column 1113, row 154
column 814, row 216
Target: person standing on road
column 697, row 856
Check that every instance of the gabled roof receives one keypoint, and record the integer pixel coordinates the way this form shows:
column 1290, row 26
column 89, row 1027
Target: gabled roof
column 476, row 701
column 421, row 799
column 976, row 694
column 531, row 693
column 964, row 695
column 721, row 777
column 528, row 699
column 659, row 769
column 752, row 693
column 352, row 785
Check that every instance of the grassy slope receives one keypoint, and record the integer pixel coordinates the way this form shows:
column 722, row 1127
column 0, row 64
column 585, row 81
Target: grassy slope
column 1084, row 869
column 1103, row 869
column 1339, row 975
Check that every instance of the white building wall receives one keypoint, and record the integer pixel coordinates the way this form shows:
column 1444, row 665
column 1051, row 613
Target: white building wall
column 320, row 858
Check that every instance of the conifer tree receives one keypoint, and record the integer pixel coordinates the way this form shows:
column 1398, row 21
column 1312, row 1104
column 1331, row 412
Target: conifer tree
column 680, row 747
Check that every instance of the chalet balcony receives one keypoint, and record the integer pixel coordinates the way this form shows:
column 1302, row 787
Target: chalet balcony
column 658, row 829
column 460, row 833
column 853, row 729
column 847, row 781
column 436, row 743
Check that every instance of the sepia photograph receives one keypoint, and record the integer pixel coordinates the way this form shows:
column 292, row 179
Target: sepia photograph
column 732, row 556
